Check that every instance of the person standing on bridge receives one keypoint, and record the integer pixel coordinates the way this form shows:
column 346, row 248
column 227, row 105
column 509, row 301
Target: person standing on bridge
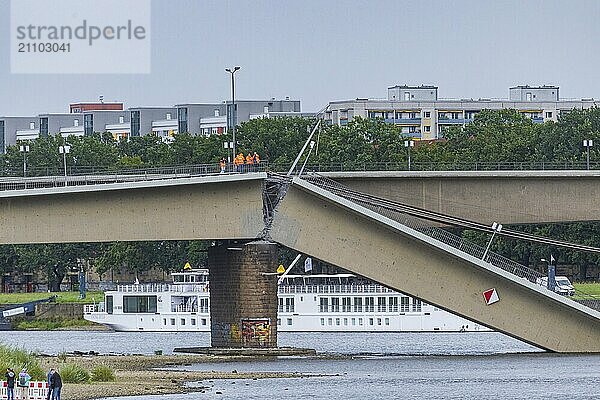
column 222, row 164
column 239, row 162
column 249, row 162
column 10, row 383
column 256, row 158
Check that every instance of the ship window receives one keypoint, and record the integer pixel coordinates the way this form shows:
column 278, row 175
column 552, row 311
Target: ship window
column 193, row 321
column 329, row 321
column 204, row 305
column 278, row 321
column 301, row 298
column 109, row 304
column 315, row 298
column 387, row 321
column 358, row 304
column 182, row 321
column 346, row 307
column 172, row 321
column 360, row 321
column 289, row 321
column 335, row 304
column 345, row 321
column 369, row 304
column 353, row 321
column 337, row 321
column 289, row 304
column 393, row 304
column 324, row 304
column 322, row 321
column 378, row 321
column 204, row 321
column 404, row 304
column 381, row 304
column 164, row 321
column 416, row 305
column 280, row 305
column 139, row 304
column 370, row 321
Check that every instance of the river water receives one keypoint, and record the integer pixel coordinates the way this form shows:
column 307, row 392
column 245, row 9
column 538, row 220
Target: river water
column 372, row 366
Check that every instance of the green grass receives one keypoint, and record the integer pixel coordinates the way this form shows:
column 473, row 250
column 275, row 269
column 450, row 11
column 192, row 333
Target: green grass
column 51, row 324
column 588, row 288
column 73, row 373
column 18, row 359
column 62, row 297
column 103, row 373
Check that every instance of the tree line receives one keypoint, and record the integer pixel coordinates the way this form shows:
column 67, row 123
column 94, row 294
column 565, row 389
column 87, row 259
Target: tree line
column 493, row 137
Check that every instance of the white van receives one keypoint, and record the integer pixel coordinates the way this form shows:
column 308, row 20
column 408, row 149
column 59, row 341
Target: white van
column 563, row 285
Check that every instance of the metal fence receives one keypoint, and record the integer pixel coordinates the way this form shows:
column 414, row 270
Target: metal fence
column 388, row 209
column 80, row 178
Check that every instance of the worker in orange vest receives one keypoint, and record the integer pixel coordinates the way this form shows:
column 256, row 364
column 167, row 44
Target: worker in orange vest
column 249, row 162
column 239, row 162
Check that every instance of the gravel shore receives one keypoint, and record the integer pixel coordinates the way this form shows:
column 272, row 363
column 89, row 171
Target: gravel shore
column 136, row 375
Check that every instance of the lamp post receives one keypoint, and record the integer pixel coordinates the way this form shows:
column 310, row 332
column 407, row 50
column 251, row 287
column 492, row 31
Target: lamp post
column 24, row 148
column 551, row 273
column 408, row 144
column 228, row 145
column 233, row 110
column 496, row 227
column 587, row 144
column 64, row 150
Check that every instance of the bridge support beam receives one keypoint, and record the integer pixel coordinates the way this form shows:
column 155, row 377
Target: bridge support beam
column 243, row 298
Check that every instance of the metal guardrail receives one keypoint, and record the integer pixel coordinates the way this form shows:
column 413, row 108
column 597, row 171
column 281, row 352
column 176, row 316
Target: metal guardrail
column 386, row 208
column 127, row 175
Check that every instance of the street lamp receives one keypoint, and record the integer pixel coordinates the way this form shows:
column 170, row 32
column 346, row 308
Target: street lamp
column 587, row 144
column 24, row 148
column 496, row 227
column 233, row 110
column 551, row 273
column 64, row 150
column 228, row 145
column 408, row 144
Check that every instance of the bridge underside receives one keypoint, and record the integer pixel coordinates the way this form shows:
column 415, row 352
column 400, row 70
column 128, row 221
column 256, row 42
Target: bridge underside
column 315, row 222
column 227, row 207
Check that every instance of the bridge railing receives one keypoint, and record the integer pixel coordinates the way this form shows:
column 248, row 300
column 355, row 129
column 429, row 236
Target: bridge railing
column 80, row 177
column 387, row 209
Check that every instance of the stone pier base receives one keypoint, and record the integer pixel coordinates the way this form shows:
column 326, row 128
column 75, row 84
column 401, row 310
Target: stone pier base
column 243, row 294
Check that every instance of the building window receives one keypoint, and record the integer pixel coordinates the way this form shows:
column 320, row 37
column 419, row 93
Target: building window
column 121, row 119
column 265, row 109
column 528, row 96
column 427, row 114
column 32, row 125
column 217, row 112
column 182, row 120
column 548, row 114
column 44, row 127
column 135, row 123
column 168, row 116
column 88, row 124
column 406, row 96
column 75, row 122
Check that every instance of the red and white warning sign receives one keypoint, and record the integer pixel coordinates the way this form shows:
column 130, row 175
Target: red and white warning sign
column 491, row 296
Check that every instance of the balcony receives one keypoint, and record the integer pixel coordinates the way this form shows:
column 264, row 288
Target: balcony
column 404, row 121
column 454, row 121
column 537, row 120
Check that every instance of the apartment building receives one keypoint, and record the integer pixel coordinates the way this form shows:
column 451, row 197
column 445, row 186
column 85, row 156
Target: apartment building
column 421, row 114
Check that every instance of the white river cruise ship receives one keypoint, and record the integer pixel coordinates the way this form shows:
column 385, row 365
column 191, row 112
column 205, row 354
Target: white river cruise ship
column 306, row 303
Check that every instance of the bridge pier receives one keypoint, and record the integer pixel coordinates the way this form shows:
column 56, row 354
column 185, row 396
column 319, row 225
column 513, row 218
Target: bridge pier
column 243, row 300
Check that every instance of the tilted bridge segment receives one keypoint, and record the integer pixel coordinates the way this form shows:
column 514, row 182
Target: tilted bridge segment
column 317, row 217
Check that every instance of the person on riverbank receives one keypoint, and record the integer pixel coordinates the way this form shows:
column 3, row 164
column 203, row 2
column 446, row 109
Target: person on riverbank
column 23, row 383
column 10, row 383
column 56, row 385
column 49, row 377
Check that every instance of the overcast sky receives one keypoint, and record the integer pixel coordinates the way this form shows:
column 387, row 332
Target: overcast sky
column 317, row 51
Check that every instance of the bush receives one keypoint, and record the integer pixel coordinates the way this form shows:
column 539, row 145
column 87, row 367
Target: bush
column 18, row 359
column 102, row 373
column 73, row 373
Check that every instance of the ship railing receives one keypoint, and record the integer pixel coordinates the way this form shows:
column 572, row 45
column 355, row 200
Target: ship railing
column 289, row 289
column 184, row 308
column 162, row 287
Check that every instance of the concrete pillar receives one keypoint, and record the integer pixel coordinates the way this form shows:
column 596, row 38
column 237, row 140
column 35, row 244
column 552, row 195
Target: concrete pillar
column 243, row 301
